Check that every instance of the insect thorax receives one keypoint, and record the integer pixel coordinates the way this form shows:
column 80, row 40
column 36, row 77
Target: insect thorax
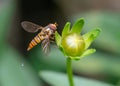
column 49, row 31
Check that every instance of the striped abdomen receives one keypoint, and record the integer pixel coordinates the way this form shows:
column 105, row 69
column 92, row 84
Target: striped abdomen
column 37, row 39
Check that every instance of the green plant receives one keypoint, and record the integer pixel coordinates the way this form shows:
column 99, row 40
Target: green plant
column 75, row 46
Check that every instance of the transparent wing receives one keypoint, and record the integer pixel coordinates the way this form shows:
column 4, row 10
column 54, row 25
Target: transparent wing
column 46, row 46
column 30, row 27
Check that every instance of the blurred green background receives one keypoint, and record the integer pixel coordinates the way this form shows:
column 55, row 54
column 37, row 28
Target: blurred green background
column 21, row 68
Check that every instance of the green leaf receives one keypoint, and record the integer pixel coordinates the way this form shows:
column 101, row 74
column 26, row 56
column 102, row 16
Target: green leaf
column 88, row 52
column 62, row 50
column 85, row 53
column 58, row 39
column 66, row 29
column 14, row 71
column 91, row 36
column 77, row 27
column 61, row 79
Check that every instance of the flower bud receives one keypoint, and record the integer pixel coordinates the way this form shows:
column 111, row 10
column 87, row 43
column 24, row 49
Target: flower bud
column 73, row 44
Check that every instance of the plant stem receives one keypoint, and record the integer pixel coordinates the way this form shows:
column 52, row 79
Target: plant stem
column 69, row 72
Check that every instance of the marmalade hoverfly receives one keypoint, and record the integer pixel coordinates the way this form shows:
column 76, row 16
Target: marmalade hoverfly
column 45, row 35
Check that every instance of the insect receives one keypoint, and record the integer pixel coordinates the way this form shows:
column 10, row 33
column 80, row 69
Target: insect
column 46, row 34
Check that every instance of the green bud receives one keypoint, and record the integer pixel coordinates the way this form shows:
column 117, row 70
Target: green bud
column 73, row 44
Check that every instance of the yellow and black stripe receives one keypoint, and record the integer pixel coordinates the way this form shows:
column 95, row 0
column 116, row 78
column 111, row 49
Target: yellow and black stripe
column 37, row 39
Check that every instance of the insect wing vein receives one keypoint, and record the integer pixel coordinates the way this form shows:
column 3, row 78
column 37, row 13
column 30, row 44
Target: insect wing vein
column 30, row 27
column 45, row 46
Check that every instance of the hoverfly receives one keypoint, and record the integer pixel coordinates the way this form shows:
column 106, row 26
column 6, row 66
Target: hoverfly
column 45, row 35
